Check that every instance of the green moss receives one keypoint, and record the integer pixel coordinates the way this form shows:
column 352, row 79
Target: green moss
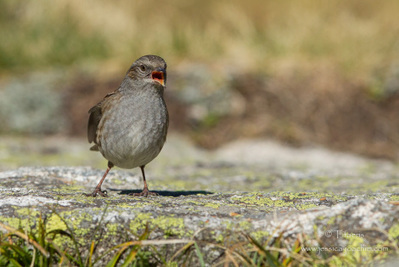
column 192, row 202
column 138, row 203
column 18, row 223
column 212, row 205
column 259, row 200
column 338, row 261
column 192, row 209
column 354, row 248
column 139, row 221
column 77, row 220
column 219, row 238
column 170, row 225
column 27, row 212
column 357, row 252
column 55, row 222
column 306, row 206
column 117, row 181
column 112, row 229
column 331, row 221
column 376, row 186
column 69, row 189
column 83, row 199
column 394, row 231
column 245, row 225
column 259, row 235
column 228, row 225
column 127, row 205
column 394, row 198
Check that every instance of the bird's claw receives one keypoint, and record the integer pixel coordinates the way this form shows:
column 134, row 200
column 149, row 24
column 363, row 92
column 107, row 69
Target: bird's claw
column 96, row 192
column 145, row 193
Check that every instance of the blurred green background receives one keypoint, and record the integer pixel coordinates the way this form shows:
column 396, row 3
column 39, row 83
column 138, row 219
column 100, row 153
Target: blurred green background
column 358, row 37
column 304, row 73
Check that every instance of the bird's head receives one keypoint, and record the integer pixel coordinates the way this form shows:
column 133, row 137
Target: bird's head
column 148, row 69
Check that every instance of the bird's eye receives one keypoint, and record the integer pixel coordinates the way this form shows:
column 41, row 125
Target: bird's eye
column 142, row 68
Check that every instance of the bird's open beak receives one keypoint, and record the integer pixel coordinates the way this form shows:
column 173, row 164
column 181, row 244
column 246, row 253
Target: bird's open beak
column 159, row 76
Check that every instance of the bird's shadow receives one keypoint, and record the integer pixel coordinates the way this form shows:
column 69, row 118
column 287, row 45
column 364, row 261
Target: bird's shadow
column 164, row 193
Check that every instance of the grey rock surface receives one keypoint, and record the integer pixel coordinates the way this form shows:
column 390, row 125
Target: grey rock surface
column 257, row 187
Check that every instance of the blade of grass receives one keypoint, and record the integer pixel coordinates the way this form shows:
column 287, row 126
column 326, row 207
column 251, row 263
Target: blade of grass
column 32, row 264
column 199, row 254
column 116, row 258
column 146, row 233
column 26, row 238
column 130, row 257
column 122, row 247
column 230, row 258
column 184, row 248
column 245, row 258
column 91, row 254
column 60, row 252
column 22, row 254
column 135, row 249
column 58, row 232
column 15, row 263
column 271, row 259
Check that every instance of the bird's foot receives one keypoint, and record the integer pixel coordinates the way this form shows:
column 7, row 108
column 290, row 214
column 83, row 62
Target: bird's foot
column 96, row 192
column 145, row 193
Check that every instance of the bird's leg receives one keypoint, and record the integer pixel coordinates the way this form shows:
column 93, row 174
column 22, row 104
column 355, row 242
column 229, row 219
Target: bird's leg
column 97, row 190
column 145, row 192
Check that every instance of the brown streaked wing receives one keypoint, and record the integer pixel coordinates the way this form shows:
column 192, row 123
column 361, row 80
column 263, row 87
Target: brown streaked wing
column 94, row 119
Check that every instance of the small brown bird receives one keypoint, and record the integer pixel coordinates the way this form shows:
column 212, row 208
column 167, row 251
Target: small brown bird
column 129, row 126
